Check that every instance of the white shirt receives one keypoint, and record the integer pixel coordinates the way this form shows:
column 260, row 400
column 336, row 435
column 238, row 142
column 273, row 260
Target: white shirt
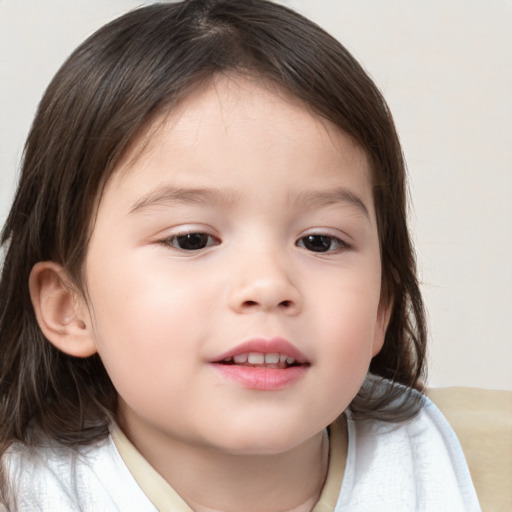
column 416, row 465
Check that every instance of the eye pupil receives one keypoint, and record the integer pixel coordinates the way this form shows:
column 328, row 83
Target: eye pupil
column 317, row 243
column 192, row 241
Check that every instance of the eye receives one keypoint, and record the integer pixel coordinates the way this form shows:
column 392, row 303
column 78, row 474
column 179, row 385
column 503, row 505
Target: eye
column 321, row 243
column 191, row 241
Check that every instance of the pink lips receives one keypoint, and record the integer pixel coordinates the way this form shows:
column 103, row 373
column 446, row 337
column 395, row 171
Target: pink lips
column 261, row 377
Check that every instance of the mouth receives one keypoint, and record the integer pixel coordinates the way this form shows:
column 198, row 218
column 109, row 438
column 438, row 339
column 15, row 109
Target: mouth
column 276, row 353
column 272, row 360
column 263, row 364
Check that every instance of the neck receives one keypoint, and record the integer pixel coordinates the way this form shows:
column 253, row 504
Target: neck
column 213, row 481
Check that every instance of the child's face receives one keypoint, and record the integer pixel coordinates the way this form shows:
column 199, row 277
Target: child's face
column 282, row 257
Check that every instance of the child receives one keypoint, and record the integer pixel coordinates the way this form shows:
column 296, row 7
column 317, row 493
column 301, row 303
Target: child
column 209, row 299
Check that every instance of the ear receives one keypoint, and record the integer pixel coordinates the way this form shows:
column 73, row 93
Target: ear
column 60, row 311
column 381, row 326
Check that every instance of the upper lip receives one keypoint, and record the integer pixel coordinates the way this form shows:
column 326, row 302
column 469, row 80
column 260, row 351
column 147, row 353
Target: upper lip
column 264, row 346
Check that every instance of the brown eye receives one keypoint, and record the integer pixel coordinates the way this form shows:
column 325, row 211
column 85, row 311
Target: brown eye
column 191, row 241
column 321, row 243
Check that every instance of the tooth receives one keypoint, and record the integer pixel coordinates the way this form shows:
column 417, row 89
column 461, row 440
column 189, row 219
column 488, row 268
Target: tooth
column 228, row 360
column 256, row 358
column 282, row 358
column 290, row 360
column 240, row 358
column 271, row 358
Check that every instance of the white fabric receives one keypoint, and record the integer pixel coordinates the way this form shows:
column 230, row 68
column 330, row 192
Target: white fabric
column 416, row 465
column 56, row 479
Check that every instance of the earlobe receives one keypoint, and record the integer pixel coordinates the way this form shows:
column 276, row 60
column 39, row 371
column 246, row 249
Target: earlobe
column 61, row 314
column 381, row 326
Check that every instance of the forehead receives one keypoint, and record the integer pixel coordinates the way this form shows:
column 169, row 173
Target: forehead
column 239, row 102
column 245, row 135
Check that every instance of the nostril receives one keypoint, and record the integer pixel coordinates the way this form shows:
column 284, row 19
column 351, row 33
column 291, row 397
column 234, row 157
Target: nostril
column 287, row 306
column 249, row 304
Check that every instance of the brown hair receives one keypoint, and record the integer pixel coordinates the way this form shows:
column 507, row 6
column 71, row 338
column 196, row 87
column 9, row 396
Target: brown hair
column 108, row 90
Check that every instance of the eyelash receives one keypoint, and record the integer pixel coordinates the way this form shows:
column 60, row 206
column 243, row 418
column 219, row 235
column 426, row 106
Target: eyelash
column 198, row 241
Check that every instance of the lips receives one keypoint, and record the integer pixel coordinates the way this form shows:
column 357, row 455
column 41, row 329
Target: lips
column 263, row 364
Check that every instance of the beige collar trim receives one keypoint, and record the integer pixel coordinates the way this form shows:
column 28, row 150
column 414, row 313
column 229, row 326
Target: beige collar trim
column 166, row 499
column 337, row 458
column 158, row 491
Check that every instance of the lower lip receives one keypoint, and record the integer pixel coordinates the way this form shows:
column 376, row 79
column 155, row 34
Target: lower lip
column 263, row 379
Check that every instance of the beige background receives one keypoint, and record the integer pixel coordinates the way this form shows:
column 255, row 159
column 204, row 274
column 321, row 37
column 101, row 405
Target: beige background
column 445, row 68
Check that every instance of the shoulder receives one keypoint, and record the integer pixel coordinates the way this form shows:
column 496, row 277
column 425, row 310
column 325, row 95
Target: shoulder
column 52, row 477
column 415, row 464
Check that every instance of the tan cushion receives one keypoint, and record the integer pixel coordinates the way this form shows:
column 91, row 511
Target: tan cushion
column 482, row 420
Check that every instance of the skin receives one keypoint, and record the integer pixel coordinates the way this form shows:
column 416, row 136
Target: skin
column 160, row 314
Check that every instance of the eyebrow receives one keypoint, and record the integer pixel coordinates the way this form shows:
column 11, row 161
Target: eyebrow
column 324, row 198
column 169, row 195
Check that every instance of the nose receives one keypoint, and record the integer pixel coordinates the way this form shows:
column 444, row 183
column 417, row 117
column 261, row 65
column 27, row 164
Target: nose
column 264, row 284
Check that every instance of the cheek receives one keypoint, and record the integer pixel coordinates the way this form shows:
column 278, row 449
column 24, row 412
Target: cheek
column 144, row 294
column 346, row 324
column 346, row 306
column 349, row 340
column 144, row 326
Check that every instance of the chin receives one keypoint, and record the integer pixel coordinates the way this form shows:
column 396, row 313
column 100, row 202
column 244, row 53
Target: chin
column 262, row 442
